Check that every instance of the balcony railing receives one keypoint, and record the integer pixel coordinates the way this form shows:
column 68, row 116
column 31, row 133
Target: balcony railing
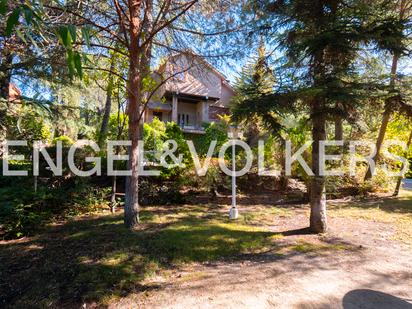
column 192, row 128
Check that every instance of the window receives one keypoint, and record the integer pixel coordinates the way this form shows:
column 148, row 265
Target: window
column 158, row 115
column 183, row 119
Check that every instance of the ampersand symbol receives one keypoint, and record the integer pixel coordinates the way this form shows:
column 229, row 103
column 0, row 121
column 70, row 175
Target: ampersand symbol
column 169, row 152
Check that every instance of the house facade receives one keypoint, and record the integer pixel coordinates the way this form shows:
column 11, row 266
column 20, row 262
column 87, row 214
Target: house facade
column 14, row 93
column 194, row 93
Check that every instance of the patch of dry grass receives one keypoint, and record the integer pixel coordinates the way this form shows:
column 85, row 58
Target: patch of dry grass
column 303, row 246
column 394, row 211
column 265, row 215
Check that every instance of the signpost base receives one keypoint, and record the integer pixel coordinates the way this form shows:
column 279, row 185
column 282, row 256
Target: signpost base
column 233, row 213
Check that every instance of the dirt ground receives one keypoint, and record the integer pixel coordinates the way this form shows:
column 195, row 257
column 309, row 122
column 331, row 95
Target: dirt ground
column 265, row 259
column 365, row 268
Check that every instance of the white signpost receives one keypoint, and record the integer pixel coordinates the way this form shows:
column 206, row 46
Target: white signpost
column 234, row 133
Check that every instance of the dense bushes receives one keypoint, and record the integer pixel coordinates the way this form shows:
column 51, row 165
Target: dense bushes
column 24, row 206
column 28, row 124
column 155, row 135
column 153, row 191
column 23, row 211
column 213, row 132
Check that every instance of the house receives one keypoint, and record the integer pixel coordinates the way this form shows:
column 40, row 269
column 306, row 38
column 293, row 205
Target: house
column 14, row 93
column 193, row 93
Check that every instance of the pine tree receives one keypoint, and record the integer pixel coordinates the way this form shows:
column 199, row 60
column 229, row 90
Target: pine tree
column 255, row 79
column 321, row 39
column 404, row 10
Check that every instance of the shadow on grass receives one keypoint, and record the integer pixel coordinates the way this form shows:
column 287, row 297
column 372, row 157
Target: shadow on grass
column 98, row 259
column 302, row 231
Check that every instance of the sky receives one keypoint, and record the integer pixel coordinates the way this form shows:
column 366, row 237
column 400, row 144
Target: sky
column 230, row 68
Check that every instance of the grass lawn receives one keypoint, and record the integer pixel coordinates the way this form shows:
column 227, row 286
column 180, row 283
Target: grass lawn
column 96, row 260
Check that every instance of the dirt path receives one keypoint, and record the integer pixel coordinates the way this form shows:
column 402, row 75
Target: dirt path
column 373, row 271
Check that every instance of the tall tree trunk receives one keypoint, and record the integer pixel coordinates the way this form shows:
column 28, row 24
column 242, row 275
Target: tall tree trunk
column 147, row 55
column 318, row 221
column 5, row 75
column 385, row 118
column 399, row 182
column 284, row 179
column 5, row 78
column 4, row 87
column 381, row 136
column 388, row 108
column 139, row 67
column 338, row 129
column 107, row 106
column 131, row 208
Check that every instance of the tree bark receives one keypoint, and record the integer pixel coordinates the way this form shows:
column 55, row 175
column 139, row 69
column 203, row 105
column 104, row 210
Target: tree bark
column 284, row 179
column 318, row 220
column 399, row 182
column 131, row 208
column 5, row 76
column 338, row 129
column 147, row 55
column 381, row 136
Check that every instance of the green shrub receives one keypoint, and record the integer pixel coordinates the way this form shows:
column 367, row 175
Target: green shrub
column 29, row 125
column 215, row 181
column 154, row 136
column 23, row 211
column 157, row 192
column 66, row 141
column 213, row 131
